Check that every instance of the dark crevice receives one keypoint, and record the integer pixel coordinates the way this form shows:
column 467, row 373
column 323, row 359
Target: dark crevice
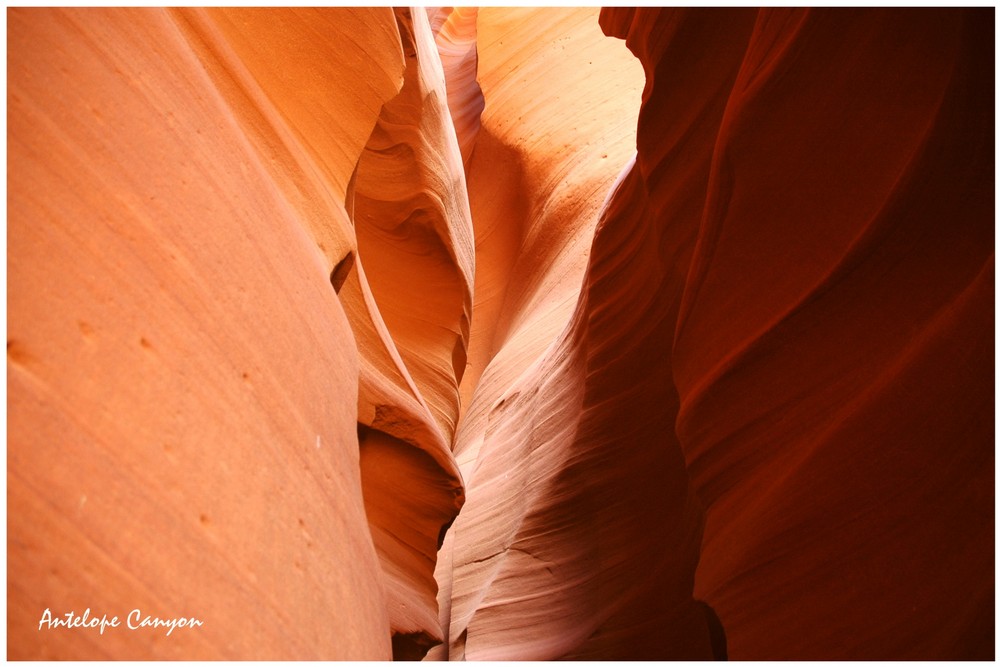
column 404, row 22
column 363, row 430
column 490, row 557
column 349, row 195
column 716, row 632
column 412, row 645
column 340, row 272
column 444, row 531
column 459, row 359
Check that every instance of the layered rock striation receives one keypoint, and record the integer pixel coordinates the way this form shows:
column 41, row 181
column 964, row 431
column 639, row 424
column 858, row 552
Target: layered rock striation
column 209, row 413
column 727, row 450
column 501, row 333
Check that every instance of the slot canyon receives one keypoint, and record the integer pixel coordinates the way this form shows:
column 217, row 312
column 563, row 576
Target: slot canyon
column 500, row 334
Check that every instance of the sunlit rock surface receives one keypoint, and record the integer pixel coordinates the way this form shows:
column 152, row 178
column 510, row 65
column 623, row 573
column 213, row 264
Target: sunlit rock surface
column 520, row 585
column 191, row 349
column 766, row 431
column 501, row 333
column 455, row 37
column 415, row 243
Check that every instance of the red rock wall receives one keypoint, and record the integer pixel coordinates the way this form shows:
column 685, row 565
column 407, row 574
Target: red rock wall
column 695, row 329
column 766, row 429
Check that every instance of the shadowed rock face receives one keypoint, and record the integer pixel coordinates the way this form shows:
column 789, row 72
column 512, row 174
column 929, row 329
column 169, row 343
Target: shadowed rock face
column 508, row 333
column 833, row 346
column 730, row 448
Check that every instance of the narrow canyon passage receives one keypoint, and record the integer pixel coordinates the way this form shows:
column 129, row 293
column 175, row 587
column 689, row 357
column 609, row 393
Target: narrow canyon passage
column 501, row 333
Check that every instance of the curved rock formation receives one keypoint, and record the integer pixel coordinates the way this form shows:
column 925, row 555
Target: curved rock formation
column 480, row 334
column 170, row 337
column 830, row 348
column 539, row 175
column 517, row 434
column 177, row 217
column 414, row 227
column 455, row 36
column 802, row 249
column 408, row 201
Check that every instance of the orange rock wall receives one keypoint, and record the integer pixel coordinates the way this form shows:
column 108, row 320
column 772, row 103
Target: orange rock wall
column 193, row 350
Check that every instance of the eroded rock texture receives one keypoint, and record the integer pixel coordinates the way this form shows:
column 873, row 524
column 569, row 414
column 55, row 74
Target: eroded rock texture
column 833, row 348
column 193, row 349
column 766, row 429
column 506, row 333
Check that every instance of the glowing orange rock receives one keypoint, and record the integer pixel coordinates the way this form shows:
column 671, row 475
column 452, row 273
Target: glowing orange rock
column 408, row 201
column 455, row 36
column 524, row 564
column 181, row 376
column 709, row 364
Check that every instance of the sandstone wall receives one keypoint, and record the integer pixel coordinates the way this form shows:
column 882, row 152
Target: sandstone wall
column 502, row 333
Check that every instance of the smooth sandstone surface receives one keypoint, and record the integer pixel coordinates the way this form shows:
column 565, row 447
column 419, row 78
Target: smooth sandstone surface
column 736, row 416
column 411, row 213
column 833, row 350
column 455, row 35
column 177, row 441
column 537, row 181
column 201, row 457
column 502, row 333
